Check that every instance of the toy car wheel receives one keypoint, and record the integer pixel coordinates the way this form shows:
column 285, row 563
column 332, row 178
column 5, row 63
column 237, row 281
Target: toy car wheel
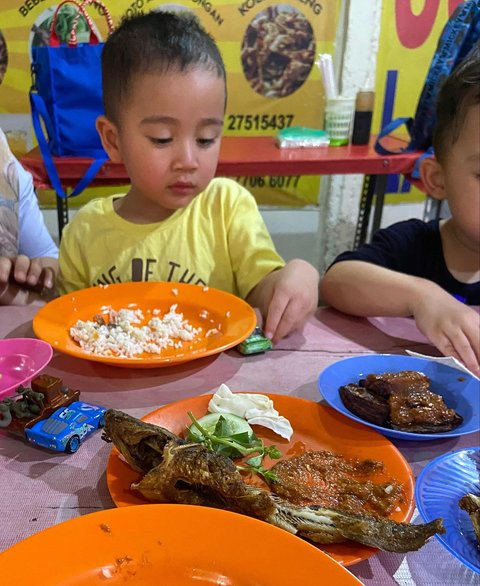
column 101, row 422
column 73, row 444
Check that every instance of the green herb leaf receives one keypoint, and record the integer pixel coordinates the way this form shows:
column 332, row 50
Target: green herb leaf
column 255, row 461
column 245, row 439
column 224, row 441
column 269, row 475
column 222, row 429
column 273, row 452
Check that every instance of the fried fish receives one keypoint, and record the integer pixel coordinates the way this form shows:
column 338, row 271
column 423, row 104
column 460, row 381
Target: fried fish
column 140, row 443
column 470, row 503
column 189, row 473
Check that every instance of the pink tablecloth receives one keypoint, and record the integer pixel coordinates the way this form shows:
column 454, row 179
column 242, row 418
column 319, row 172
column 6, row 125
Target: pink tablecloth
column 39, row 489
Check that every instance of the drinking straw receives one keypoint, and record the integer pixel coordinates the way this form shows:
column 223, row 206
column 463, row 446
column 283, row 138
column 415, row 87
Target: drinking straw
column 325, row 64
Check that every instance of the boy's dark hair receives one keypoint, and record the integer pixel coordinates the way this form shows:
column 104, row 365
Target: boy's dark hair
column 156, row 42
column 459, row 92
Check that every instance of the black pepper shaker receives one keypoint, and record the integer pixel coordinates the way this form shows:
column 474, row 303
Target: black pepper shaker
column 362, row 122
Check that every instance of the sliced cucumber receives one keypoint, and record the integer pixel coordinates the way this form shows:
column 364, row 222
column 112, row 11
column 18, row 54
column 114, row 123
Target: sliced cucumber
column 232, row 423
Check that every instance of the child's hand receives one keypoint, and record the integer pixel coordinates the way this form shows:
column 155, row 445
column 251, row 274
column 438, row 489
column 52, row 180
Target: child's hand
column 21, row 273
column 454, row 328
column 286, row 298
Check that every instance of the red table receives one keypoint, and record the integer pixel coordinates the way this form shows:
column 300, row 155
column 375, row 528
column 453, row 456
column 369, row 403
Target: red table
column 255, row 156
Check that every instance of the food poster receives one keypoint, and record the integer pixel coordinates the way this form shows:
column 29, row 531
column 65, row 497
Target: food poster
column 269, row 50
column 408, row 38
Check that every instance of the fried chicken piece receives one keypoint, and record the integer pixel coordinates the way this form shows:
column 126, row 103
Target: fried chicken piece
column 400, row 400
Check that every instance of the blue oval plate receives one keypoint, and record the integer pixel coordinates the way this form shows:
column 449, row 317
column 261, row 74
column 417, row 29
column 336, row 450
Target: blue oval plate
column 460, row 391
column 439, row 488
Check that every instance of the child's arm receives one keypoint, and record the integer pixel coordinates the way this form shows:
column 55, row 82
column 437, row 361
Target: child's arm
column 286, row 298
column 23, row 280
column 364, row 289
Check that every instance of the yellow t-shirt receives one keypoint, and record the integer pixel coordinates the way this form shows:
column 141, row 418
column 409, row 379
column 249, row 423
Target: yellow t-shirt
column 219, row 240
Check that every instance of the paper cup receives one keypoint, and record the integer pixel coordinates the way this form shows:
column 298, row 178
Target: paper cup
column 338, row 120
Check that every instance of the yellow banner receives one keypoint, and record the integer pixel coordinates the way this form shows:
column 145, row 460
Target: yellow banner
column 269, row 50
column 408, row 39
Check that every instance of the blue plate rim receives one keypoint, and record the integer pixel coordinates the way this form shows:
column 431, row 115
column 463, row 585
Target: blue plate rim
column 418, row 483
column 394, row 433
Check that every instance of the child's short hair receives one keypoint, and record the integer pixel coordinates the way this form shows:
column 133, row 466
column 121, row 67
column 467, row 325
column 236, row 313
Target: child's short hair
column 156, row 42
column 459, row 92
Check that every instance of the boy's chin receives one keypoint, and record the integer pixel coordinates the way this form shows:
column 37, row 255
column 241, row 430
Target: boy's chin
column 181, row 203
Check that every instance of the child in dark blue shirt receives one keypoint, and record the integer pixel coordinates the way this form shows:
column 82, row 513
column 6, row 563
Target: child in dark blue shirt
column 429, row 270
column 415, row 248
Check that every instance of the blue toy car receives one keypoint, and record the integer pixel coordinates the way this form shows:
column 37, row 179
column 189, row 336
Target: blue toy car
column 67, row 427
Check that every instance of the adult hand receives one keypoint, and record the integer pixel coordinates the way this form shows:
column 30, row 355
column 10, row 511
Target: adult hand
column 30, row 273
column 23, row 280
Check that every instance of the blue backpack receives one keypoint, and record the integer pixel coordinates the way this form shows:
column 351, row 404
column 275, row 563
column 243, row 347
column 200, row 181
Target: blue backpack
column 66, row 96
column 459, row 36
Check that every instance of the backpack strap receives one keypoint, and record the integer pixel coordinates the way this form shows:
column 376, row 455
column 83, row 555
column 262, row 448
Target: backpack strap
column 39, row 112
column 460, row 34
column 415, row 174
column 387, row 130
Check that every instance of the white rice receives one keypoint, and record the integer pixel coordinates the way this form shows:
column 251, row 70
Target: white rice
column 123, row 337
column 211, row 332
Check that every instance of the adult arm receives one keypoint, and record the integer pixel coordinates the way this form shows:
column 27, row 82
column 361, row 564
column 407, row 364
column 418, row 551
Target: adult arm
column 35, row 240
column 26, row 276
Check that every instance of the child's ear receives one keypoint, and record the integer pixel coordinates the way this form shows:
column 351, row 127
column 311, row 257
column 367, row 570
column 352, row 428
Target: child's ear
column 109, row 136
column 432, row 176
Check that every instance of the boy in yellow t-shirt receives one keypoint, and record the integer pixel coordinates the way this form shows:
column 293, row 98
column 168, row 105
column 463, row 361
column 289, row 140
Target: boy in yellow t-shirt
column 164, row 91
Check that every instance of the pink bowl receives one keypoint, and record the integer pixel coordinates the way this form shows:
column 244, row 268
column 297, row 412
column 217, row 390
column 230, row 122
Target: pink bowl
column 20, row 360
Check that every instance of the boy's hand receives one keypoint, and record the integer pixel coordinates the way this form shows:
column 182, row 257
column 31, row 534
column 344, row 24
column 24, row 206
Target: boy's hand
column 22, row 273
column 287, row 297
column 454, row 328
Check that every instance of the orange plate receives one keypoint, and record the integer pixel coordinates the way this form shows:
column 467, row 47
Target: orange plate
column 175, row 545
column 53, row 321
column 316, row 427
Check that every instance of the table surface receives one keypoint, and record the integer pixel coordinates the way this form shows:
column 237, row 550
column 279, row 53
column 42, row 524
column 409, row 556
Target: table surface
column 247, row 156
column 39, row 489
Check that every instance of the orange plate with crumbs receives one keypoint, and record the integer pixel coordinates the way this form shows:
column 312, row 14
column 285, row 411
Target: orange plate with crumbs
column 316, row 427
column 203, row 307
column 174, row 545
